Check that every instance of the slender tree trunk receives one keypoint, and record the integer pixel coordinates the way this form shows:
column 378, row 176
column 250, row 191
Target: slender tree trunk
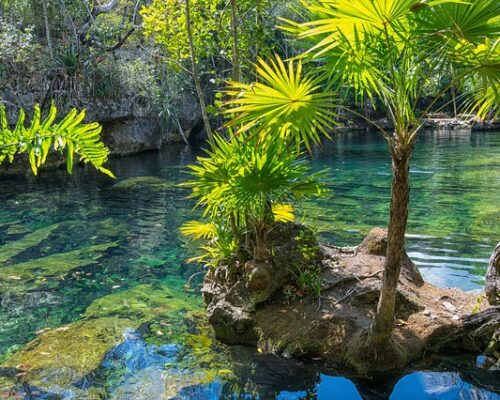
column 454, row 98
column 400, row 199
column 196, row 76
column 47, row 29
column 236, row 50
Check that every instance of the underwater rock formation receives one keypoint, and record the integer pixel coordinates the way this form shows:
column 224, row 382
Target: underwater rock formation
column 329, row 326
column 62, row 356
column 31, row 275
column 144, row 182
column 31, row 239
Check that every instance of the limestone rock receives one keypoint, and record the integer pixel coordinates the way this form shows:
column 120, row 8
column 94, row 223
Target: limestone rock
column 260, row 282
column 492, row 286
column 334, row 327
column 375, row 243
column 62, row 356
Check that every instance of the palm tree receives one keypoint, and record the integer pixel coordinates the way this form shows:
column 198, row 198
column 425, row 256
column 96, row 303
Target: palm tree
column 244, row 185
column 388, row 49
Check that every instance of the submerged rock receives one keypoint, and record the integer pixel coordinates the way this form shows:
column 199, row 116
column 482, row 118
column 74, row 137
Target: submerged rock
column 141, row 182
column 165, row 301
column 63, row 356
column 31, row 275
column 11, row 249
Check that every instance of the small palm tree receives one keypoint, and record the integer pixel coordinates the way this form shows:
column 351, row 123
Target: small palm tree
column 244, row 185
column 386, row 49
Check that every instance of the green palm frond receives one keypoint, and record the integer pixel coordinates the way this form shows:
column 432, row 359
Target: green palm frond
column 245, row 173
column 333, row 22
column 283, row 212
column 199, row 230
column 468, row 37
column 480, row 68
column 389, row 48
column 469, row 20
column 70, row 135
column 284, row 101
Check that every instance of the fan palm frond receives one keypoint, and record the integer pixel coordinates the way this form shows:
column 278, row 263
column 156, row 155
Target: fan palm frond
column 284, row 101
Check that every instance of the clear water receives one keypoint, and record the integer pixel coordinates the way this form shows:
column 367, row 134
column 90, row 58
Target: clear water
column 453, row 228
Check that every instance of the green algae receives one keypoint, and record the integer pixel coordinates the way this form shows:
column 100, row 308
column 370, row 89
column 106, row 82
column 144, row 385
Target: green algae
column 7, row 386
column 17, row 229
column 64, row 355
column 19, row 277
column 140, row 182
column 12, row 249
column 67, row 354
column 165, row 301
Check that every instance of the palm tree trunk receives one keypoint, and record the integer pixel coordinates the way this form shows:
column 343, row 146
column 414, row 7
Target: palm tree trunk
column 196, row 75
column 400, row 198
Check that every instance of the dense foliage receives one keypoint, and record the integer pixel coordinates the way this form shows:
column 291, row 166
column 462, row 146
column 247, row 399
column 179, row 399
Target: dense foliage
column 244, row 185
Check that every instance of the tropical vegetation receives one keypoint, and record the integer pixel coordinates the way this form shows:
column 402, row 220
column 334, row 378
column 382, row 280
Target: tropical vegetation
column 384, row 50
column 70, row 136
column 268, row 82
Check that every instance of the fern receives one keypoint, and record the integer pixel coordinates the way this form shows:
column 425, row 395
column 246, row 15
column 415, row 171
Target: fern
column 70, row 136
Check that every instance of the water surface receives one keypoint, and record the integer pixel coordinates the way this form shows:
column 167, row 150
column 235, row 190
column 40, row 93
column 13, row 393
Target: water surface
column 454, row 225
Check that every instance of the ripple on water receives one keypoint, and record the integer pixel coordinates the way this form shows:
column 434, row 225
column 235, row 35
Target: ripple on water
column 454, row 225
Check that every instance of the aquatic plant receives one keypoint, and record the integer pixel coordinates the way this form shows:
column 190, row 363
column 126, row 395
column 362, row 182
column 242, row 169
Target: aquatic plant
column 284, row 101
column 69, row 135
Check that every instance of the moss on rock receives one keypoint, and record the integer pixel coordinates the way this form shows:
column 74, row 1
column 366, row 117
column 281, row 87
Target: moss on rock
column 65, row 355
column 12, row 249
column 21, row 277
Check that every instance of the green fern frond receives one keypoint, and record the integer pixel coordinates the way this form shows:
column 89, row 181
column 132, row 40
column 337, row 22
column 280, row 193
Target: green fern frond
column 70, row 135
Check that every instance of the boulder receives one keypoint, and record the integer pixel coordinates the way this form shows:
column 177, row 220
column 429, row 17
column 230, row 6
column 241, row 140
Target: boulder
column 375, row 243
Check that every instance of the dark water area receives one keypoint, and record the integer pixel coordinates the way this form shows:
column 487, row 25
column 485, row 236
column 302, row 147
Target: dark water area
column 85, row 248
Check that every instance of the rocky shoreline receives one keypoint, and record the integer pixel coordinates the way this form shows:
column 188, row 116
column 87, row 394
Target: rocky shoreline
column 251, row 307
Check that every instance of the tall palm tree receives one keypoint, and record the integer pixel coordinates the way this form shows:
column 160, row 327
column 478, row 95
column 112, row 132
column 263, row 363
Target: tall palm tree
column 388, row 49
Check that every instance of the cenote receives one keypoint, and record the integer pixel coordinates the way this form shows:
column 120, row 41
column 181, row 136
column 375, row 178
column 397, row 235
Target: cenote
column 100, row 267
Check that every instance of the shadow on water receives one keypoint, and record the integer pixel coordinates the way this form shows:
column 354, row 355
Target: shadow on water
column 54, row 270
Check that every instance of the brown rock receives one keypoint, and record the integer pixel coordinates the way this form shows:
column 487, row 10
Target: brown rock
column 492, row 286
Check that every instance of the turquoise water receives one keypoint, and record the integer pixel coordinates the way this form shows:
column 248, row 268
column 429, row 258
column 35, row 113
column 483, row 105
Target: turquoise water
column 453, row 228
